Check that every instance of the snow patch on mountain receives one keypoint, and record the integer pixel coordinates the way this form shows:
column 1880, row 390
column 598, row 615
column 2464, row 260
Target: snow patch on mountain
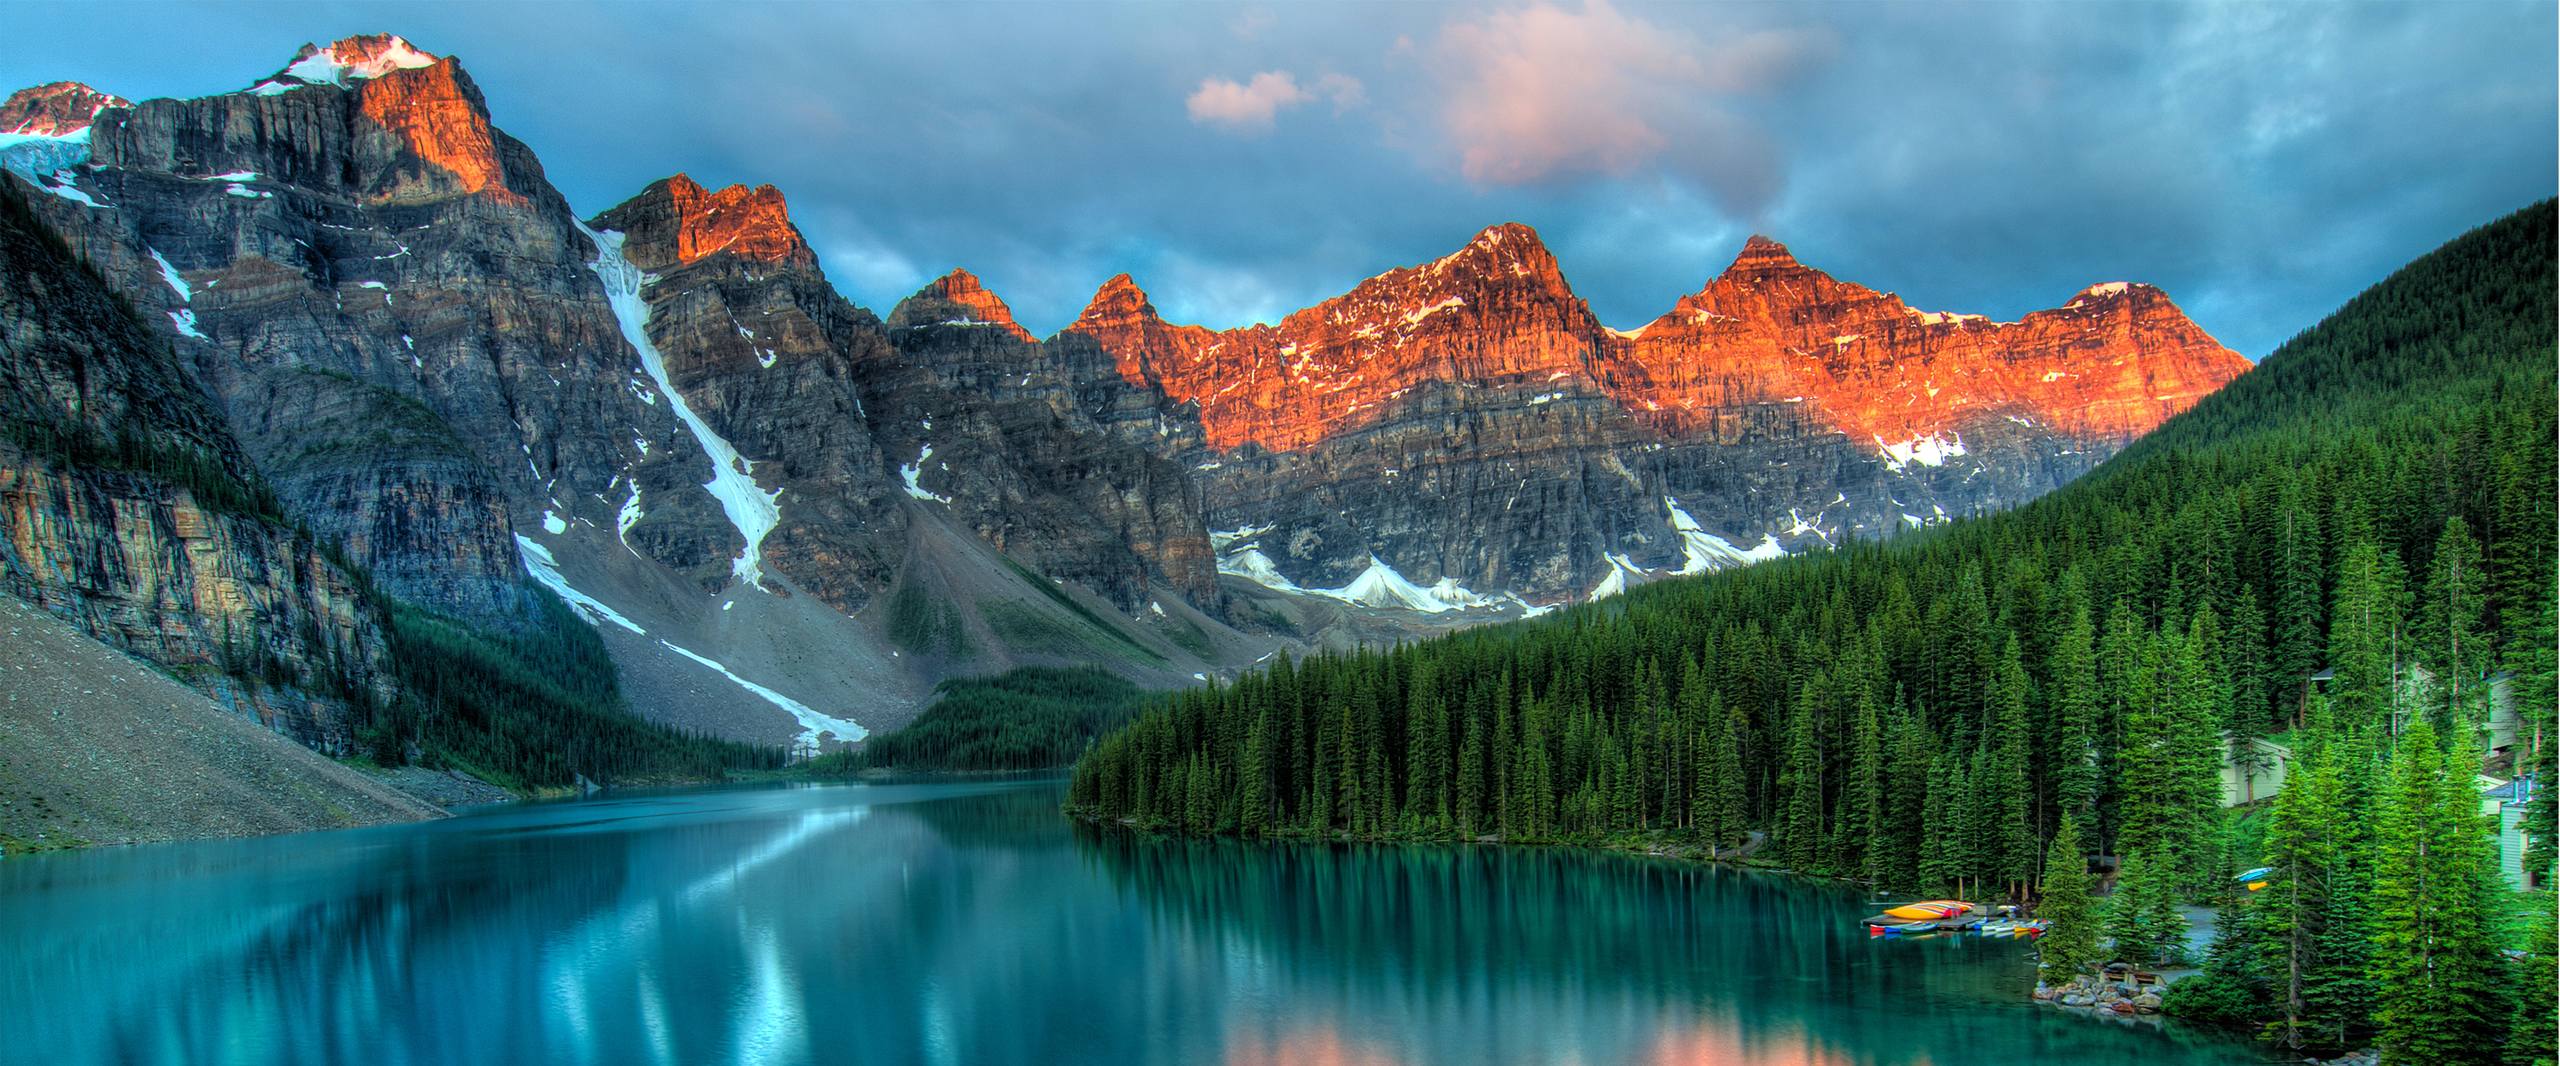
column 751, row 509
column 1380, row 585
column 813, row 725
column 182, row 319
column 43, row 160
column 544, row 568
column 1620, row 569
column 1702, row 551
column 1932, row 450
column 914, row 475
column 337, row 65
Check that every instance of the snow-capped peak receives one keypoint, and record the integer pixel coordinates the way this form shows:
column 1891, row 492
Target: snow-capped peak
column 344, row 62
column 58, row 109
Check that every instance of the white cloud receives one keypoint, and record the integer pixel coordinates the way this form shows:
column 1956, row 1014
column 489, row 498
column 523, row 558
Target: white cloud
column 1250, row 106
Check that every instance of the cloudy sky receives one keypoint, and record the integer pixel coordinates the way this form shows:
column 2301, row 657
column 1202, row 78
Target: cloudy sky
column 2260, row 162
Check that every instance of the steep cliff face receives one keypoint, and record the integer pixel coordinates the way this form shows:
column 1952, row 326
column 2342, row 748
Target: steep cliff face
column 851, row 424
column 1467, row 427
column 382, row 476
column 391, row 304
column 127, row 509
column 357, row 214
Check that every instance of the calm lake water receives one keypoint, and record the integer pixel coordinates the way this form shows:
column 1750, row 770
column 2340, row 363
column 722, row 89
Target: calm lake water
column 971, row 923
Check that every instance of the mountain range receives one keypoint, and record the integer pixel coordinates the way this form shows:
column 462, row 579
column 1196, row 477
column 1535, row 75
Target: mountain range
column 790, row 517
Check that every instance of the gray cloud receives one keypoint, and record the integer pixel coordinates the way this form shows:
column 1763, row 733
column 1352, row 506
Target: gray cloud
column 2262, row 163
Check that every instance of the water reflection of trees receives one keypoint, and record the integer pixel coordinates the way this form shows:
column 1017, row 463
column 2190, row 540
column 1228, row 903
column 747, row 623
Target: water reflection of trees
column 1650, row 958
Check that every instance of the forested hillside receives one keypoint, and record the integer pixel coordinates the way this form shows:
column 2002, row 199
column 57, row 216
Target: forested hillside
column 1032, row 718
column 2375, row 500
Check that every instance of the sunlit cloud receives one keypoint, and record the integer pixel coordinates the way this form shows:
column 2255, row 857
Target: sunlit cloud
column 1249, row 106
column 1547, row 92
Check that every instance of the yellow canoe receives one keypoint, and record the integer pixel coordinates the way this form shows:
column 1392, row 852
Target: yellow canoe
column 1928, row 909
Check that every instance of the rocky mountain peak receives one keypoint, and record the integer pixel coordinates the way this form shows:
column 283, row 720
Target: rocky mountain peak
column 755, row 223
column 57, row 109
column 2114, row 292
column 2105, row 367
column 1119, row 303
column 959, row 299
column 1505, row 254
column 1761, row 255
column 1505, row 270
column 347, row 61
column 675, row 221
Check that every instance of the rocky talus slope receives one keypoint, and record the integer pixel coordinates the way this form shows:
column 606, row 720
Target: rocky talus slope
column 97, row 748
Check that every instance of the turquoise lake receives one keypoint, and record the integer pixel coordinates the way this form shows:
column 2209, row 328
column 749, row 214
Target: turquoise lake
column 972, row 923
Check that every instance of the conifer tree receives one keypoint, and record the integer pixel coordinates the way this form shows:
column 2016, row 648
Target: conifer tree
column 1800, row 790
column 2076, row 700
column 2245, row 644
column 1945, row 854
column 2295, row 651
column 2069, row 946
column 2143, row 919
column 1429, row 764
column 2010, row 839
column 2451, row 637
column 2440, row 987
column 2305, row 843
column 1862, row 818
column 1720, row 778
column 1471, row 776
column 2364, row 630
column 1256, row 799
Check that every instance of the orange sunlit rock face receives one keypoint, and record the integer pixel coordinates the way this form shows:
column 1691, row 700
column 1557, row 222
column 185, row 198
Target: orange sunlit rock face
column 1497, row 310
column 958, row 298
column 676, row 221
column 741, row 221
column 2112, row 363
column 55, row 110
column 437, row 113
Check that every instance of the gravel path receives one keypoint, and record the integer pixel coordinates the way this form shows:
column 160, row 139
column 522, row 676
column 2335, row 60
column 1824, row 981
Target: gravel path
column 99, row 748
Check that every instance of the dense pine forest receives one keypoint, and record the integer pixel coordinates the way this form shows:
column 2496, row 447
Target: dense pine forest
column 2348, row 553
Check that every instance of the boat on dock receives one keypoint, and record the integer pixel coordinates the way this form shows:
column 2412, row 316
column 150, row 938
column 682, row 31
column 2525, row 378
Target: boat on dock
column 1950, row 916
column 1926, row 916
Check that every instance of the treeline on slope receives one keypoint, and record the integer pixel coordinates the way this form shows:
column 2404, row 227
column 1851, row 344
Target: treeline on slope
column 1925, row 715
column 1030, row 718
column 531, row 707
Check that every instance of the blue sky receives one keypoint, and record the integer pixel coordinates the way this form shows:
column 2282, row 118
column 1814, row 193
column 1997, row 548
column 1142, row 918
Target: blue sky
column 2260, row 162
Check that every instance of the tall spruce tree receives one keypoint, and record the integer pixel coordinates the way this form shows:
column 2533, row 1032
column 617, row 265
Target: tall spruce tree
column 2069, row 946
column 2451, row 634
column 2441, row 989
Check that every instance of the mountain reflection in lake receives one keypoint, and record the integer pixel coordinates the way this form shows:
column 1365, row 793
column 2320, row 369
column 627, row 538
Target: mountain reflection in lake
column 971, row 923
